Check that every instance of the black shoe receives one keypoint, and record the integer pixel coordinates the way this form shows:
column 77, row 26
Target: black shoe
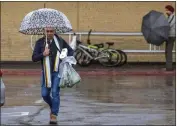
column 53, row 123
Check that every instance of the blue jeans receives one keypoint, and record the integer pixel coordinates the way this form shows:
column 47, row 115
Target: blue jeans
column 54, row 101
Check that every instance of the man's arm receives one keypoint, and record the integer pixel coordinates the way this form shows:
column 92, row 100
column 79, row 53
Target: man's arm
column 70, row 50
column 37, row 54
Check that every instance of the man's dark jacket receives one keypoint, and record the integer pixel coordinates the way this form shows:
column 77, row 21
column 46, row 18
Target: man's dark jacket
column 40, row 47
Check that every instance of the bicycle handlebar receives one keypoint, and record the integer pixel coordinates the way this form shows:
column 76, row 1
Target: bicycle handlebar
column 90, row 31
column 88, row 39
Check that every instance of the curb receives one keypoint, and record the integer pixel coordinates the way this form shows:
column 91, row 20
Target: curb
column 95, row 73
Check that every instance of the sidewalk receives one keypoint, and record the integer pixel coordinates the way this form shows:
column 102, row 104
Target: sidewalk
column 93, row 70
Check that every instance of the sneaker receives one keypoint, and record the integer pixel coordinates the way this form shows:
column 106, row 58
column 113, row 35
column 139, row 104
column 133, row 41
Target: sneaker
column 53, row 119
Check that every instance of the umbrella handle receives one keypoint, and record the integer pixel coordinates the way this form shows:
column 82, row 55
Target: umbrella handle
column 32, row 47
column 47, row 45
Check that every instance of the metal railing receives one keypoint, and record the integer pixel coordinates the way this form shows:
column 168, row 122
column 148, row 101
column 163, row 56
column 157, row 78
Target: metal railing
column 152, row 48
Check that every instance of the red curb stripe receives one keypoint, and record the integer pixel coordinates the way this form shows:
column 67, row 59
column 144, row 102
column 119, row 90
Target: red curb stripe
column 93, row 73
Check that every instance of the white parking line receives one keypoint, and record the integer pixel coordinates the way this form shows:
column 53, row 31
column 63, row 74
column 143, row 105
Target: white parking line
column 39, row 101
column 14, row 114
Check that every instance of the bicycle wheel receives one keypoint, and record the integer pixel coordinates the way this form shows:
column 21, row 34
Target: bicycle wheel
column 123, row 58
column 82, row 59
column 108, row 57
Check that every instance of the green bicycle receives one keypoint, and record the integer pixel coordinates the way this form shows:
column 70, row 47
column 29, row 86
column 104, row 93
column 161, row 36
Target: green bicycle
column 119, row 56
column 122, row 55
column 85, row 55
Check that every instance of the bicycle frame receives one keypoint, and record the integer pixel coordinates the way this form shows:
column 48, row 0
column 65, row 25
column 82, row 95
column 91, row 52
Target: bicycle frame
column 98, row 51
column 90, row 49
column 95, row 47
column 85, row 48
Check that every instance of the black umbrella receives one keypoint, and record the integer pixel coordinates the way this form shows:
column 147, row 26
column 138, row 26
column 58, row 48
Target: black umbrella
column 155, row 28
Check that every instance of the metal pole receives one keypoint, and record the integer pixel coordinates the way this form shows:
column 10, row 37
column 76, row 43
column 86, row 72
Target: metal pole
column 150, row 47
column 69, row 38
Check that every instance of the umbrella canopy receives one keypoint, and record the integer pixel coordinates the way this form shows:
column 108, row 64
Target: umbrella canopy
column 35, row 22
column 155, row 28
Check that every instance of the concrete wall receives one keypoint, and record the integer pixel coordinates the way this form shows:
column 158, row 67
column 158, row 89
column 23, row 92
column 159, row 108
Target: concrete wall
column 100, row 16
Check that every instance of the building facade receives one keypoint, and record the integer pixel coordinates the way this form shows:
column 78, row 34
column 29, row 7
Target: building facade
column 99, row 16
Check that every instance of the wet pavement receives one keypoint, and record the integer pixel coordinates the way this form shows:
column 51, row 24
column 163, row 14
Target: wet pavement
column 103, row 100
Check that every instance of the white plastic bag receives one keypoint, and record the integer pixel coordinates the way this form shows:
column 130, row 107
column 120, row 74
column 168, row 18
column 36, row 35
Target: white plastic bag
column 64, row 80
column 68, row 76
column 73, row 76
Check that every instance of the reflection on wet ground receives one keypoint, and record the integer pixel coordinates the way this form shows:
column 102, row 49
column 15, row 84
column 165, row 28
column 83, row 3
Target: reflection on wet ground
column 132, row 89
column 119, row 100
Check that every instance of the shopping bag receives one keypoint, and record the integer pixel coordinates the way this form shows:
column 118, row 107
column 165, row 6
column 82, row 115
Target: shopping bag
column 68, row 76
column 63, row 76
column 73, row 76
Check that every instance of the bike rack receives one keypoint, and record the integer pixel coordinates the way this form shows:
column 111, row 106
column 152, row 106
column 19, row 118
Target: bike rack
column 156, row 49
column 152, row 48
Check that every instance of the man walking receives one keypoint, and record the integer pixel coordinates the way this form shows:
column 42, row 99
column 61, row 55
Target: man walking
column 50, row 73
column 170, row 43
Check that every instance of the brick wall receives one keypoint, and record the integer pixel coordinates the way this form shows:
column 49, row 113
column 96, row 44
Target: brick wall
column 100, row 16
